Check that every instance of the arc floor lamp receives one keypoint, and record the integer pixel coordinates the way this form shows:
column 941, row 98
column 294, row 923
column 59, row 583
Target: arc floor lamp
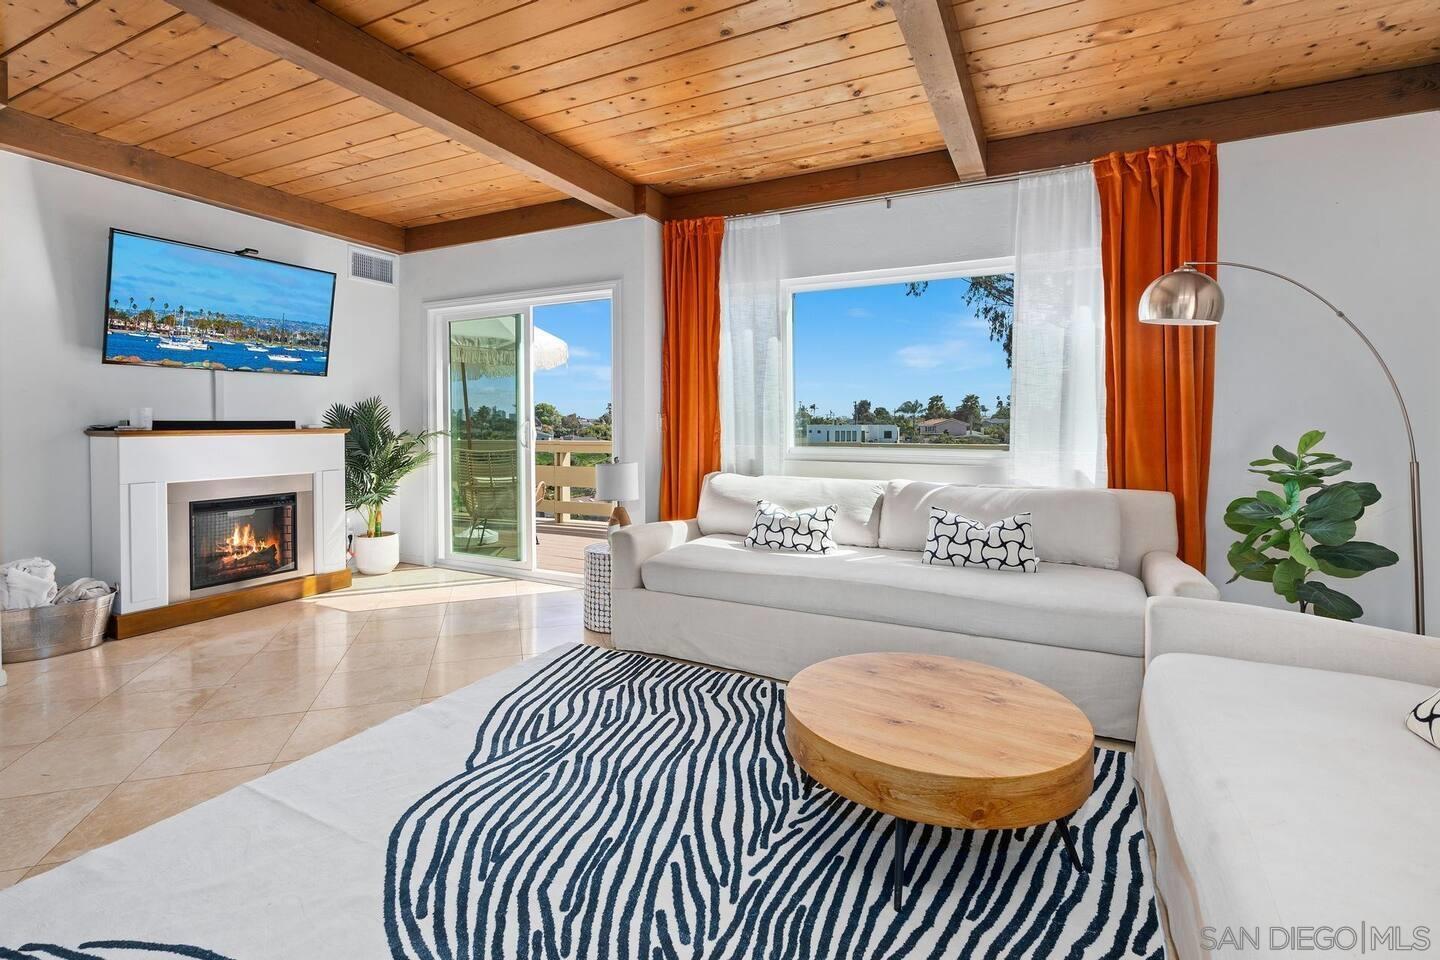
column 1187, row 297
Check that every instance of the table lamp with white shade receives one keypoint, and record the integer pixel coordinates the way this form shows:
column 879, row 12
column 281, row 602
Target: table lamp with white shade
column 617, row 482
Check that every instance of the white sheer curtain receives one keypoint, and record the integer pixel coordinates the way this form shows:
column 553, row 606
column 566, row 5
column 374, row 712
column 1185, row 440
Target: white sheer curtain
column 1057, row 416
column 752, row 386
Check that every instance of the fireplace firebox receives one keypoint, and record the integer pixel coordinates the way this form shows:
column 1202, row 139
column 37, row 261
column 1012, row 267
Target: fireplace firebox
column 241, row 538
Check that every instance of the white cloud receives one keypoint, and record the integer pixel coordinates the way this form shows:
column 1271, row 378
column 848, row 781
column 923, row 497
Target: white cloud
column 951, row 354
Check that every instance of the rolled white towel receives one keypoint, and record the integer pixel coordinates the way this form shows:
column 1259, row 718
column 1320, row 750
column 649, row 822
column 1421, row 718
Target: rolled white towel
column 86, row 588
column 19, row 590
column 35, row 566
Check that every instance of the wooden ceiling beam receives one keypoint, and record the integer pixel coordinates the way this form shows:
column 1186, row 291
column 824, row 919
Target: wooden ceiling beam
column 1397, row 92
column 933, row 37
column 57, row 143
column 307, row 35
column 506, row 223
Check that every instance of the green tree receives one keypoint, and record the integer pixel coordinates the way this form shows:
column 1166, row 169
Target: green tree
column 547, row 415
column 971, row 410
column 862, row 412
column 883, row 416
column 936, row 408
column 993, row 299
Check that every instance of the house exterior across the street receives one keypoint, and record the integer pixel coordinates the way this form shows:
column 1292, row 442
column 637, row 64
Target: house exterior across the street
column 852, row 433
column 944, row 425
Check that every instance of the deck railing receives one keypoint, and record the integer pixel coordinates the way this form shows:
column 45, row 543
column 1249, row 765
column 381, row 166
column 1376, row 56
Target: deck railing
column 493, row 461
column 564, row 475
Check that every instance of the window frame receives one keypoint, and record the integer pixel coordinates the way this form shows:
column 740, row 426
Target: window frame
column 879, row 452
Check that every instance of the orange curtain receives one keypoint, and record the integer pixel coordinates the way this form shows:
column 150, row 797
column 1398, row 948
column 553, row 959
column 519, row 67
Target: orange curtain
column 1158, row 210
column 691, row 384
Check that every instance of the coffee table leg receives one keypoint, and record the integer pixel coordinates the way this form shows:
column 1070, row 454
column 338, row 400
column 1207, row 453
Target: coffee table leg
column 1064, row 826
column 897, row 868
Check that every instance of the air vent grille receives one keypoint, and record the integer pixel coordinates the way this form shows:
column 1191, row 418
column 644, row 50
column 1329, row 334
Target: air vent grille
column 375, row 267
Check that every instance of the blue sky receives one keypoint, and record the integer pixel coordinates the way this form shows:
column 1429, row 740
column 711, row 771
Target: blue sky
column 874, row 343
column 583, row 385
column 204, row 279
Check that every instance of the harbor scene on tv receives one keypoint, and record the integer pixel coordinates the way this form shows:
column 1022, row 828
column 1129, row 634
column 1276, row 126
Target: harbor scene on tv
column 171, row 304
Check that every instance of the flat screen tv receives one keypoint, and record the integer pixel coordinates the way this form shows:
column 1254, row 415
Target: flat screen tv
column 171, row 304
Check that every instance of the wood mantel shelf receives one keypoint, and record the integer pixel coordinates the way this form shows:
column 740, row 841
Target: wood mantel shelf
column 209, row 433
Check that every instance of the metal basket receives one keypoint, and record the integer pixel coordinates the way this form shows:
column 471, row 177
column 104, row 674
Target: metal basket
column 41, row 632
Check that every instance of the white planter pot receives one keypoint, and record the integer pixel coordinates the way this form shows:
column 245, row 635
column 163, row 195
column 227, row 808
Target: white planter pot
column 377, row 555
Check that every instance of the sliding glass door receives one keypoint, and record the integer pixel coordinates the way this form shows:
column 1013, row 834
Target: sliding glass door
column 523, row 391
column 489, row 437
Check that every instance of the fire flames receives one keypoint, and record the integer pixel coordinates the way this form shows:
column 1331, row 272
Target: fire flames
column 243, row 544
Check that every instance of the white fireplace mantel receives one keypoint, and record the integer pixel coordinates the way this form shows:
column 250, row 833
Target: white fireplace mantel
column 129, row 474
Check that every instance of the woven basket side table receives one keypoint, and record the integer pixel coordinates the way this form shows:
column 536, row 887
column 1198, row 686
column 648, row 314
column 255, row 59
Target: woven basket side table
column 597, row 587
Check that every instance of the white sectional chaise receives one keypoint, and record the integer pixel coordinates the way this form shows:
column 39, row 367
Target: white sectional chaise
column 1282, row 791
column 693, row 590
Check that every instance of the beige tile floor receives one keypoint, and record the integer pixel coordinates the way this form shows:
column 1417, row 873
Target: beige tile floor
column 99, row 744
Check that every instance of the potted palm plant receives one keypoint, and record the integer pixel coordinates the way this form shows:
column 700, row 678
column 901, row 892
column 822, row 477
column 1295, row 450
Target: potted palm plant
column 376, row 460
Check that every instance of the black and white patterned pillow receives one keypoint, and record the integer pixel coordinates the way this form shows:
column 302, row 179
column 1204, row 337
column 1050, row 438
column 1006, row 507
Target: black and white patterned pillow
column 1007, row 544
column 1424, row 720
column 801, row 531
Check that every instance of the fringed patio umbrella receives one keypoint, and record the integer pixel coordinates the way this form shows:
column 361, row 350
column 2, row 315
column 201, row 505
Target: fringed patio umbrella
column 496, row 356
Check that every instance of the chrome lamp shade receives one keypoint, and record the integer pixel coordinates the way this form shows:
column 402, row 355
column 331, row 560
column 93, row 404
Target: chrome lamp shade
column 1183, row 298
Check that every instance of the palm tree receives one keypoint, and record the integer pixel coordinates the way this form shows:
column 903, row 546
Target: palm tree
column 376, row 457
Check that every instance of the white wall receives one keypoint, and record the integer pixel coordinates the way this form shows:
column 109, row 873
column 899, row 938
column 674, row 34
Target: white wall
column 627, row 251
column 974, row 222
column 1351, row 211
column 54, row 225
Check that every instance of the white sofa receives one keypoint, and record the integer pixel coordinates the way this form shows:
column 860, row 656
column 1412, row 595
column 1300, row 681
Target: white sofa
column 1281, row 787
column 692, row 590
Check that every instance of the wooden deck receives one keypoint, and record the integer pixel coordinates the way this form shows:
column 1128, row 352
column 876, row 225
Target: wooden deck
column 562, row 545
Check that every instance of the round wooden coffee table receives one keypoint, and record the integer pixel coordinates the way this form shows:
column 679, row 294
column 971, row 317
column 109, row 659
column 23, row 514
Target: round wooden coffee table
column 936, row 740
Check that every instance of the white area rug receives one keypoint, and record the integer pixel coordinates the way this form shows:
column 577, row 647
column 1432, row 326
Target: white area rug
column 587, row 804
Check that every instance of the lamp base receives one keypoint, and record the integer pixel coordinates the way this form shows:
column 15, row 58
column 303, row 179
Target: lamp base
column 619, row 517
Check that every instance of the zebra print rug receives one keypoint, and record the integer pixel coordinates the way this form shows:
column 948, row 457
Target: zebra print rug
column 621, row 806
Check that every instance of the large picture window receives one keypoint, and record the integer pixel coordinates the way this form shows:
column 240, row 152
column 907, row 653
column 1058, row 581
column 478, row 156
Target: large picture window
column 900, row 362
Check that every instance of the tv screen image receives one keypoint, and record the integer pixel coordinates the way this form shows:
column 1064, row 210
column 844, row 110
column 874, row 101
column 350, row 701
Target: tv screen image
column 172, row 304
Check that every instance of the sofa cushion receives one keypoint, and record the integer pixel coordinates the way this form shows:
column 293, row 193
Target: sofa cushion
column 1066, row 606
column 727, row 503
column 1071, row 526
column 1274, row 775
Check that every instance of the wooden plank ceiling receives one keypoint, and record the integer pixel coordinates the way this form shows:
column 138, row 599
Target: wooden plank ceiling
column 681, row 95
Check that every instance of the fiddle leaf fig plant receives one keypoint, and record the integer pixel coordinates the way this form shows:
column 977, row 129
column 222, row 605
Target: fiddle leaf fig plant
column 1306, row 528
